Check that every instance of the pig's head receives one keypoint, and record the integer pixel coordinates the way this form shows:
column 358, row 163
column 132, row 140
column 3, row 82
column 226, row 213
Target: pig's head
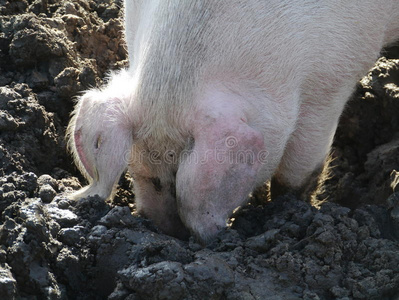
column 99, row 138
column 194, row 183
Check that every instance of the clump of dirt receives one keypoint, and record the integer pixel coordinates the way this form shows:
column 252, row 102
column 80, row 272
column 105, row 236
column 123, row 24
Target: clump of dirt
column 366, row 147
column 54, row 248
column 48, row 54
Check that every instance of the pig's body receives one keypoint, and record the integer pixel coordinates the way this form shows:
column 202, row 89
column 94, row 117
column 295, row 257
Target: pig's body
column 222, row 95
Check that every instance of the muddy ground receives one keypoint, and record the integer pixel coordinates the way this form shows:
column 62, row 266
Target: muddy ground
column 53, row 248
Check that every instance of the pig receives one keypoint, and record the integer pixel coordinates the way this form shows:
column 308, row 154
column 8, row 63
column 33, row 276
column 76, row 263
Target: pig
column 221, row 96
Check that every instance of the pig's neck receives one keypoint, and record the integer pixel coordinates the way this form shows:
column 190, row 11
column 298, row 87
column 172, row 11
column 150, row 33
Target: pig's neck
column 165, row 96
column 163, row 101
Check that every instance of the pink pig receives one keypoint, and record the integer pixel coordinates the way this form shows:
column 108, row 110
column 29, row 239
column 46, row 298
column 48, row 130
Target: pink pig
column 221, row 96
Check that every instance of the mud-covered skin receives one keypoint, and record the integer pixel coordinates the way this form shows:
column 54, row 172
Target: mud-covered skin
column 61, row 250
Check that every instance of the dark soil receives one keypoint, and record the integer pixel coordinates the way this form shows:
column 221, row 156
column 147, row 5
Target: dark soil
column 54, row 248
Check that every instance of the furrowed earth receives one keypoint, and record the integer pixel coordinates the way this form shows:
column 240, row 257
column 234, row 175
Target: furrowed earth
column 345, row 247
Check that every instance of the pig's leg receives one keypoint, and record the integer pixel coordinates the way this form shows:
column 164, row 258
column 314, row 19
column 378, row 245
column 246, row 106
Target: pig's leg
column 218, row 173
column 308, row 147
column 209, row 187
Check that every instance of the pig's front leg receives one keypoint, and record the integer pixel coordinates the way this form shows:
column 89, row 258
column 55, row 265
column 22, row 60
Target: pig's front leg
column 209, row 187
column 307, row 149
column 216, row 175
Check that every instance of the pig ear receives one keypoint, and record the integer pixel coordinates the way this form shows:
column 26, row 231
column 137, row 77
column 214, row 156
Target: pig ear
column 219, row 172
column 114, row 149
column 79, row 118
column 100, row 137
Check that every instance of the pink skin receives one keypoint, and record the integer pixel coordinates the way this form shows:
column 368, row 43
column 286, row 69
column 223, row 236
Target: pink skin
column 221, row 169
column 209, row 191
column 81, row 153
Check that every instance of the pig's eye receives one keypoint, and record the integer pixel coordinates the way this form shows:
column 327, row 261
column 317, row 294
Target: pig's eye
column 98, row 142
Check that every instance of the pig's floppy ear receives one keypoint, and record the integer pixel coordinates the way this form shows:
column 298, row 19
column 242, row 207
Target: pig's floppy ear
column 113, row 149
column 101, row 137
column 80, row 120
column 218, row 173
